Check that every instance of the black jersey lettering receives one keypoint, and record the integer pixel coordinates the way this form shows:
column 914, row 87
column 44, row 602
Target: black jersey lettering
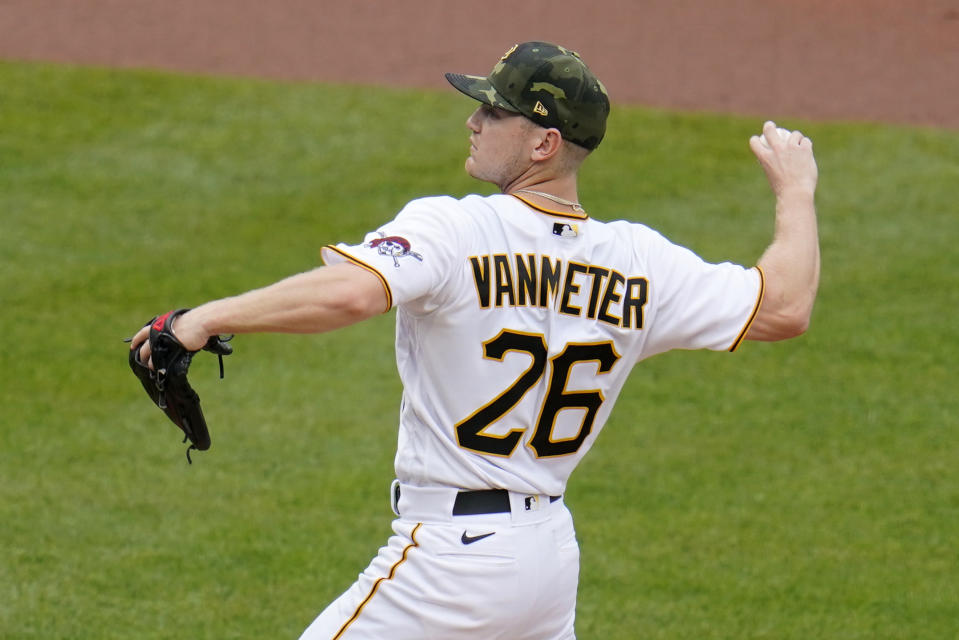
column 481, row 277
column 590, row 291
column 548, row 281
column 636, row 289
column 599, row 275
column 504, row 281
column 526, row 280
column 611, row 297
column 571, row 288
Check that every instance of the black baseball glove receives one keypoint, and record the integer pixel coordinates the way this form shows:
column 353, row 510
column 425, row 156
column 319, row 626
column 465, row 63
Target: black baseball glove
column 166, row 383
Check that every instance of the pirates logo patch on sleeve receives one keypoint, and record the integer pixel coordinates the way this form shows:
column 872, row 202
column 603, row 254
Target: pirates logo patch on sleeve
column 394, row 246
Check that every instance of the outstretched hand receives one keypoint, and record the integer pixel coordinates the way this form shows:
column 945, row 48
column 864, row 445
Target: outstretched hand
column 788, row 162
column 190, row 335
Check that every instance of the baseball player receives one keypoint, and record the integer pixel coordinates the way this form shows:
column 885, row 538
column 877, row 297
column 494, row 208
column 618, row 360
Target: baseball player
column 518, row 319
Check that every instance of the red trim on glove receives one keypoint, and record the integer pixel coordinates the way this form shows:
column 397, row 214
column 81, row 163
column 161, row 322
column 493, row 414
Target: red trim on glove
column 159, row 322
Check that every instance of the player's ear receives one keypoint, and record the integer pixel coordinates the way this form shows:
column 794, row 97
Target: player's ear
column 548, row 144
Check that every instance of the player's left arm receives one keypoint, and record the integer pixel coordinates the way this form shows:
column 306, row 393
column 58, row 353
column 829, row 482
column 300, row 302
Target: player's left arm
column 316, row 301
column 791, row 262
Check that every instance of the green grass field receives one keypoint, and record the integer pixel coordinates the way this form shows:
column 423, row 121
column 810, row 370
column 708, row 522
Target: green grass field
column 801, row 490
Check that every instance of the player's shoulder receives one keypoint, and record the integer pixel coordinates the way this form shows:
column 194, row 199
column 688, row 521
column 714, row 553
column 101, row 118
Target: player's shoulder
column 470, row 201
column 633, row 243
column 448, row 205
column 448, row 210
column 637, row 232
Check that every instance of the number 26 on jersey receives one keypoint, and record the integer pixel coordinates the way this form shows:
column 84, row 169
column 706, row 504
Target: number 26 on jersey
column 470, row 432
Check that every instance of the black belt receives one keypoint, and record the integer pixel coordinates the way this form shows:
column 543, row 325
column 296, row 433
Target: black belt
column 471, row 503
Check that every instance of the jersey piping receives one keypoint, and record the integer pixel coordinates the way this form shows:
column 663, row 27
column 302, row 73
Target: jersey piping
column 371, row 269
column 550, row 212
column 752, row 316
column 376, row 585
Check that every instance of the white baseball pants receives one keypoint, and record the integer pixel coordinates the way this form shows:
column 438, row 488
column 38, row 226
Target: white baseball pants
column 499, row 576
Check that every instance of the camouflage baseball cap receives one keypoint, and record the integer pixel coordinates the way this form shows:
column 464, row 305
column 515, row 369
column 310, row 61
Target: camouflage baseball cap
column 548, row 84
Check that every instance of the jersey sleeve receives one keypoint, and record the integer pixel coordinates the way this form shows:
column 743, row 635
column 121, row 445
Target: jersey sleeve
column 411, row 255
column 697, row 304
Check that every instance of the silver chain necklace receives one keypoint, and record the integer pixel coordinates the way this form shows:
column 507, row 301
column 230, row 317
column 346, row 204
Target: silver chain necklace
column 575, row 205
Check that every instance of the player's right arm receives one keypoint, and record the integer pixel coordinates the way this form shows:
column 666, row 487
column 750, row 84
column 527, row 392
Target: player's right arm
column 316, row 301
column 791, row 262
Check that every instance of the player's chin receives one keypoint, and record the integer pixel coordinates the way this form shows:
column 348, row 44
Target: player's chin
column 472, row 168
column 483, row 172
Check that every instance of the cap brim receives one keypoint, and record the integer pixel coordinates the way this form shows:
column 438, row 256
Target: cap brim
column 479, row 88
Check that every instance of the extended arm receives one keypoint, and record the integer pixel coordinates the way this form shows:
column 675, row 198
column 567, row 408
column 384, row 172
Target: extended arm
column 791, row 262
column 315, row 301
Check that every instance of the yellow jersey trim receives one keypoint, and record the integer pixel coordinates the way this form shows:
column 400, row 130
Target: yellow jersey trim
column 376, row 585
column 752, row 316
column 550, row 212
column 371, row 269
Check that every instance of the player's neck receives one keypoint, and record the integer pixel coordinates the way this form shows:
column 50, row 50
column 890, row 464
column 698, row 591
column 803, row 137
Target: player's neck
column 556, row 193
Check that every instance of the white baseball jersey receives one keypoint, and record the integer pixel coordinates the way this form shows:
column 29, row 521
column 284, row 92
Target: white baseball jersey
column 518, row 326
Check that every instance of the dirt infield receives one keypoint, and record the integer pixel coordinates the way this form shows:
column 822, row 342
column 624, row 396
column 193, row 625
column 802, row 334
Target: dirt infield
column 879, row 60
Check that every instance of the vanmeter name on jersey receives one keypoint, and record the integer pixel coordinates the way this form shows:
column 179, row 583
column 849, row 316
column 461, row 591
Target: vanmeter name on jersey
column 579, row 289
